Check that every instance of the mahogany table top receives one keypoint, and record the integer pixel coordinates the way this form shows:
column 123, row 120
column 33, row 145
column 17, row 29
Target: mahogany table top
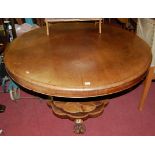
column 77, row 61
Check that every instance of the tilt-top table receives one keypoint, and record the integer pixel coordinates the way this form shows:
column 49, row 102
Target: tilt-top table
column 76, row 64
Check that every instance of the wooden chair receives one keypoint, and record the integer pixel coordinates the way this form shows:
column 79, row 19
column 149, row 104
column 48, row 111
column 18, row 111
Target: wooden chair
column 146, row 31
column 54, row 20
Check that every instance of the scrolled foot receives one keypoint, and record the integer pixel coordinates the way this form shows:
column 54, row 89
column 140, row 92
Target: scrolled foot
column 79, row 127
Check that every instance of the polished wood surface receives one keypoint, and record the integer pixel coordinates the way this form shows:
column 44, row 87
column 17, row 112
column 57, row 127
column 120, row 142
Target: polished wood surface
column 75, row 61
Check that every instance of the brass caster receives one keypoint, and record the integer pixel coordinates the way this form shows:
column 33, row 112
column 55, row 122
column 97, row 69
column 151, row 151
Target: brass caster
column 79, row 127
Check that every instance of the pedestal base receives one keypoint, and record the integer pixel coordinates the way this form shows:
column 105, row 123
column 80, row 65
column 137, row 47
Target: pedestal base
column 78, row 111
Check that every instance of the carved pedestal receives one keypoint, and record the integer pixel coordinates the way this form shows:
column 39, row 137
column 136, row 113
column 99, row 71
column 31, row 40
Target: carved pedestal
column 78, row 111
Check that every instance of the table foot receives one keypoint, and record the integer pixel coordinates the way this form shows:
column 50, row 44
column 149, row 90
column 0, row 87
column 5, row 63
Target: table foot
column 79, row 127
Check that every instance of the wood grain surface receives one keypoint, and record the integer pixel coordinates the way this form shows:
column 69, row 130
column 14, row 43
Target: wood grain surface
column 76, row 61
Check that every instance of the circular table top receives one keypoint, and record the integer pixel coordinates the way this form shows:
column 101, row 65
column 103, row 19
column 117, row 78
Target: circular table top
column 77, row 61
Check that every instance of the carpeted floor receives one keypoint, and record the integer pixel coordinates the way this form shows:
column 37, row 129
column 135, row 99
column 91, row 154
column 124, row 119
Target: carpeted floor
column 121, row 117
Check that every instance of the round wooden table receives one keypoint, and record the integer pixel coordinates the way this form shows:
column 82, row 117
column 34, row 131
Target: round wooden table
column 77, row 64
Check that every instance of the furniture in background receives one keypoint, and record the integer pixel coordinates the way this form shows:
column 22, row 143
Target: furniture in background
column 78, row 71
column 146, row 31
column 40, row 22
column 7, row 34
column 2, row 107
column 128, row 23
column 55, row 20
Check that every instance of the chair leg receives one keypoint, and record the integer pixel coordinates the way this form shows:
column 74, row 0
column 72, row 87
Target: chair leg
column 147, row 84
column 100, row 26
column 47, row 27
